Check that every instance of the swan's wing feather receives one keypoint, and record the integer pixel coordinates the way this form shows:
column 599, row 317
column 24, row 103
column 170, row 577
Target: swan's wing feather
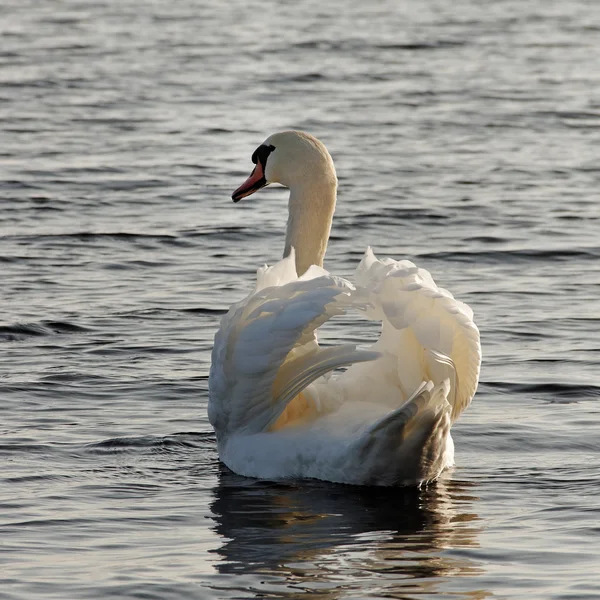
column 265, row 351
column 409, row 444
column 426, row 333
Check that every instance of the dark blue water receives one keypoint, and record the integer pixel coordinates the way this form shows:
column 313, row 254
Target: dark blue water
column 466, row 138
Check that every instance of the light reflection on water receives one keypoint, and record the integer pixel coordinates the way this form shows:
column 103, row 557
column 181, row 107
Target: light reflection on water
column 333, row 540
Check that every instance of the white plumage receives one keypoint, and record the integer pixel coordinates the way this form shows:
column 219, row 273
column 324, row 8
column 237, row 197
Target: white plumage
column 277, row 410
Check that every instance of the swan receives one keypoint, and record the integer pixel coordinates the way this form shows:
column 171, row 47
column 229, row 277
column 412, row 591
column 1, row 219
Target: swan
column 276, row 406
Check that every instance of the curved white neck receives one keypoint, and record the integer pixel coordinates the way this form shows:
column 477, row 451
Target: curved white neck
column 311, row 207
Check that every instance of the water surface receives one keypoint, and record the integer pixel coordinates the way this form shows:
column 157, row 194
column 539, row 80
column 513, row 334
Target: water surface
column 466, row 138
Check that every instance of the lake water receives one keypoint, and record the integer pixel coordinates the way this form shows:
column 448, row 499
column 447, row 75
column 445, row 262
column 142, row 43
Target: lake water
column 466, row 138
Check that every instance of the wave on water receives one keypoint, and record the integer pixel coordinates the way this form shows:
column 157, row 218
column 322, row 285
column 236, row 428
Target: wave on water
column 21, row 331
column 515, row 256
column 552, row 392
column 153, row 444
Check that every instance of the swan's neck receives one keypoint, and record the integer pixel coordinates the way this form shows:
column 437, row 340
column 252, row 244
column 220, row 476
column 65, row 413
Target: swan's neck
column 311, row 209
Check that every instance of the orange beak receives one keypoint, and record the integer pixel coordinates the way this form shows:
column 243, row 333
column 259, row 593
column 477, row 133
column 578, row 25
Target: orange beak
column 252, row 184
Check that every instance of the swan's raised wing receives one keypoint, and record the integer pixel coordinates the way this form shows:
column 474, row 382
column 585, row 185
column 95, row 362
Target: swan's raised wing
column 265, row 352
column 427, row 335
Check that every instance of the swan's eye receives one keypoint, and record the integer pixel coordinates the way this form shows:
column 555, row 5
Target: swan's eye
column 261, row 154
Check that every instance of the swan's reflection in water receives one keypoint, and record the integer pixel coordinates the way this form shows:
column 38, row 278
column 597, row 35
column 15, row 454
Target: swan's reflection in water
column 320, row 540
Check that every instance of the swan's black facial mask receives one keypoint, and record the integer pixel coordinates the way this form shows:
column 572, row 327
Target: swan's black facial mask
column 257, row 177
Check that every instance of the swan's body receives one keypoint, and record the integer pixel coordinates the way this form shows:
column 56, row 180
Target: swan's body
column 277, row 410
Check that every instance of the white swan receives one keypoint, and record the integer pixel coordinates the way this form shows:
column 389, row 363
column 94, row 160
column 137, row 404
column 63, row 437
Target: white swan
column 276, row 409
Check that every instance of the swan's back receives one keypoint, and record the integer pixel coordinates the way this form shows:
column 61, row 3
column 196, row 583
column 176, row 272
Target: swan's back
column 386, row 420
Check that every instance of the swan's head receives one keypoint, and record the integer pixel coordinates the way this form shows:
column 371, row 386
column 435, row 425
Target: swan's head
column 290, row 158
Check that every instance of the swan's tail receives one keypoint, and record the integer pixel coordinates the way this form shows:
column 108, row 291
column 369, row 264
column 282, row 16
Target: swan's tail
column 409, row 445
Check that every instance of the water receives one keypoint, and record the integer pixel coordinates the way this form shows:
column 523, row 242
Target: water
column 466, row 138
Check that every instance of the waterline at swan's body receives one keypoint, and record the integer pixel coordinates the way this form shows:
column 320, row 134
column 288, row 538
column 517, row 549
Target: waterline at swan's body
column 277, row 410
